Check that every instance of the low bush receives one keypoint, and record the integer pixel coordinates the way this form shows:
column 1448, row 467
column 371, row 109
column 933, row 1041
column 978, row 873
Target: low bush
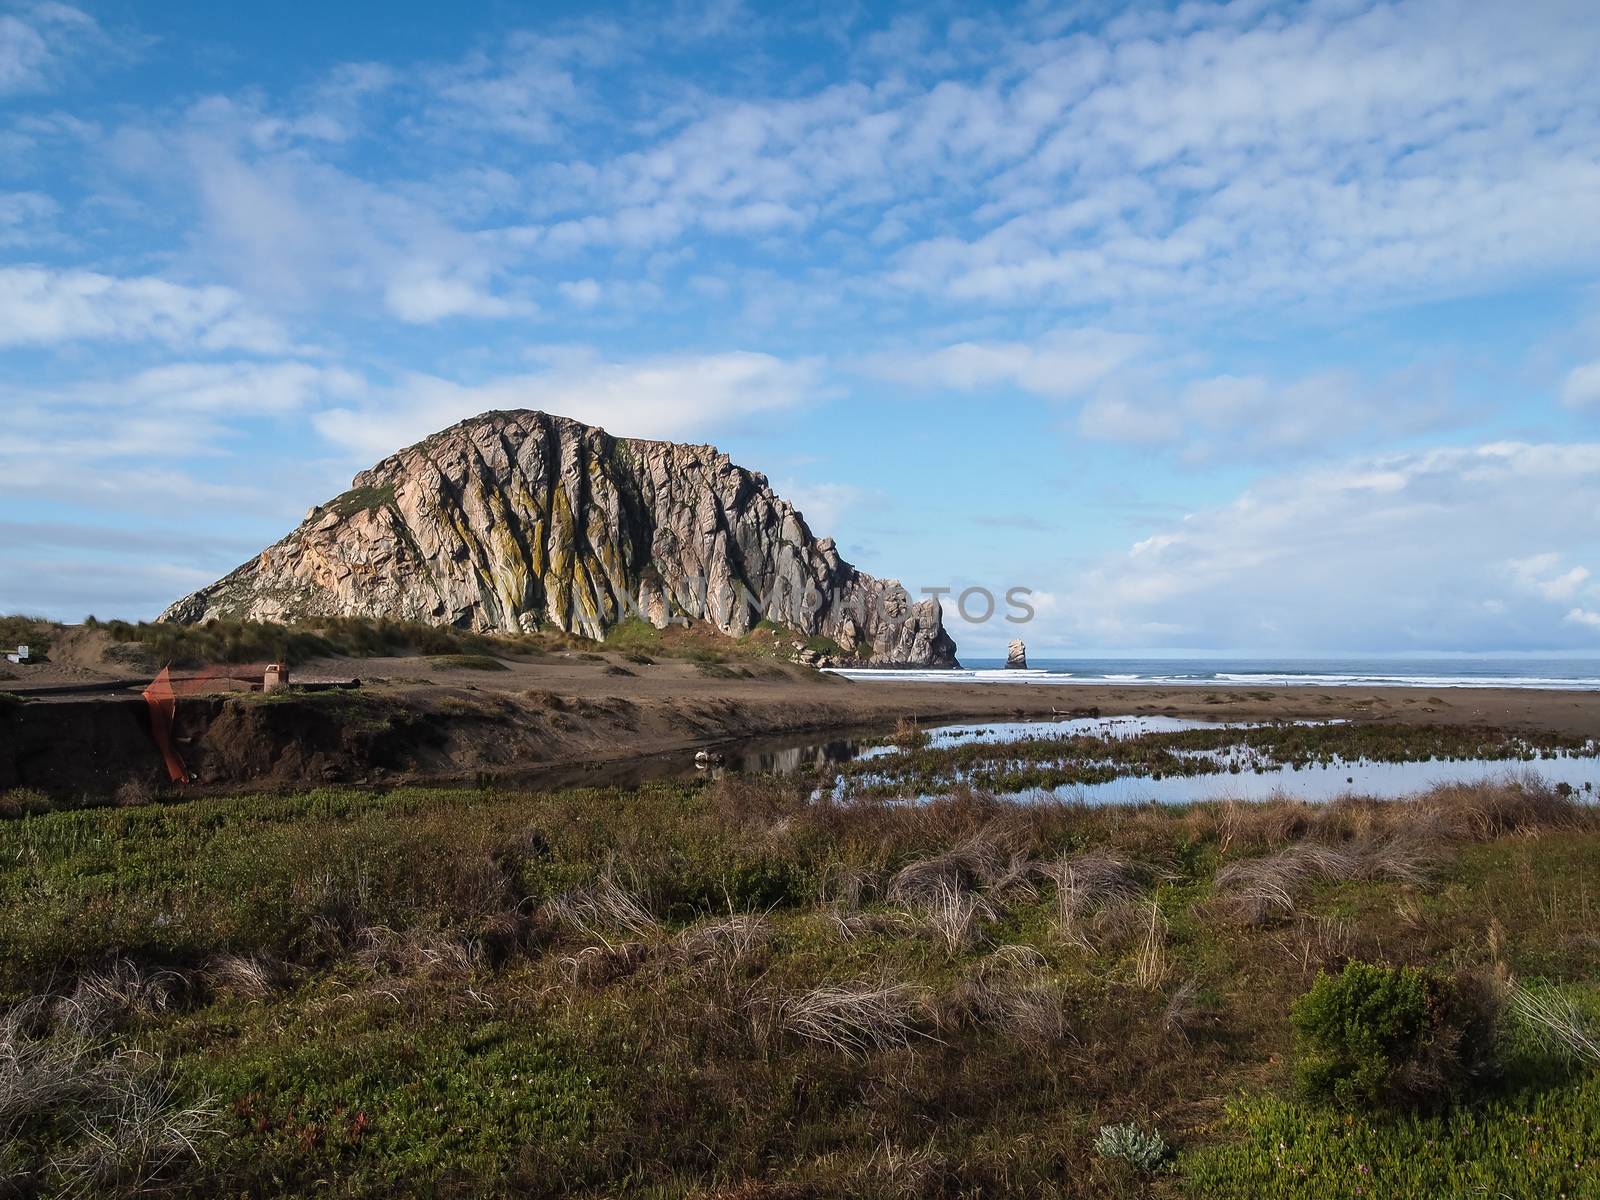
column 21, row 630
column 1390, row 1037
column 218, row 641
column 1132, row 1145
column 466, row 662
column 635, row 635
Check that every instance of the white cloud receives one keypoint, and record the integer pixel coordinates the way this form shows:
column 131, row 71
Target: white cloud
column 667, row 397
column 1391, row 148
column 1583, row 616
column 1063, row 363
column 1135, row 390
column 527, row 89
column 1224, row 417
column 99, row 442
column 1228, row 153
column 26, row 219
column 1410, row 551
column 1547, row 575
column 824, row 505
column 284, row 223
column 40, row 306
column 1581, row 387
column 428, row 297
column 1216, row 154
column 585, row 293
column 36, row 41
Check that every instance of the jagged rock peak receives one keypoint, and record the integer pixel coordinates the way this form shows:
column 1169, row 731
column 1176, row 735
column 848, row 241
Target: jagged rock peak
column 513, row 521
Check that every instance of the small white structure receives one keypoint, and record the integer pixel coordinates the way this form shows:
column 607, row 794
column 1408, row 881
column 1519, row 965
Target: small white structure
column 276, row 677
column 20, row 655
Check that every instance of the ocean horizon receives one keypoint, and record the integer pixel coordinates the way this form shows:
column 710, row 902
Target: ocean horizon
column 1567, row 674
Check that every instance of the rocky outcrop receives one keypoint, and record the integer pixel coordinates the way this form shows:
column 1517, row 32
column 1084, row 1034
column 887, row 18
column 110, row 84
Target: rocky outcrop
column 515, row 521
column 1016, row 656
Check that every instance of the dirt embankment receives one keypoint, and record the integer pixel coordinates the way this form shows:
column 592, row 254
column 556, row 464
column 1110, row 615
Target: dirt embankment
column 422, row 718
column 93, row 747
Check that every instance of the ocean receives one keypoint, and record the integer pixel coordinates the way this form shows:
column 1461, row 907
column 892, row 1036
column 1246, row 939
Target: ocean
column 1571, row 674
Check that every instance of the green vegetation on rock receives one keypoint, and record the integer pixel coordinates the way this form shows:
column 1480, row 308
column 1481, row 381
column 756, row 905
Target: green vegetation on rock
column 362, row 499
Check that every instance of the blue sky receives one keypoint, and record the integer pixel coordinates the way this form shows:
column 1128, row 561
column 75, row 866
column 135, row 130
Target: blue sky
column 1256, row 327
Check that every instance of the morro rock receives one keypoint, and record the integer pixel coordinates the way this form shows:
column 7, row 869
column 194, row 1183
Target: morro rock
column 514, row 521
column 1016, row 656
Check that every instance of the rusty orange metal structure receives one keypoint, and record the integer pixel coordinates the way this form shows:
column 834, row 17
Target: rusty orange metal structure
column 163, row 702
column 162, row 697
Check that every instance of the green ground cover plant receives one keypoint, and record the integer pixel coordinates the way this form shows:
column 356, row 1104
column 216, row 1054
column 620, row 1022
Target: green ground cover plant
column 725, row 988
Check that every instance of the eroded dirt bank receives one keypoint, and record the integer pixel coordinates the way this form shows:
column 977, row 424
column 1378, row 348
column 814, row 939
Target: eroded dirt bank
column 457, row 724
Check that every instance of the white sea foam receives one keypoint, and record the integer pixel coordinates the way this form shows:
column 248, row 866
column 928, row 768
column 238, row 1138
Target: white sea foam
column 1200, row 674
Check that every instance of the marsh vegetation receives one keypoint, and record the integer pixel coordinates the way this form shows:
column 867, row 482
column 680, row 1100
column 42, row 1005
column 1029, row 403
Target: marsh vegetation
column 729, row 989
column 1075, row 757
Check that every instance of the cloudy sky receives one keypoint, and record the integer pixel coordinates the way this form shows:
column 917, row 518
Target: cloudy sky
column 1259, row 327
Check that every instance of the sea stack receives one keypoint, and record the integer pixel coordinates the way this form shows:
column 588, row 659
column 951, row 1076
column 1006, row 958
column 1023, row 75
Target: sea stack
column 1016, row 657
column 517, row 521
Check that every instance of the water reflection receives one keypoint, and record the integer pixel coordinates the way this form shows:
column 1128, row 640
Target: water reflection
column 818, row 753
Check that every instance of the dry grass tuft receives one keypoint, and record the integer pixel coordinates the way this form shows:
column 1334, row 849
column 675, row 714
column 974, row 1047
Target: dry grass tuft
column 846, row 885
column 251, row 976
column 38, row 1072
column 131, row 1122
column 898, row 1173
column 605, row 911
column 1151, row 966
column 854, row 1018
column 1088, row 885
column 955, row 918
column 1523, row 806
column 1184, row 1013
column 723, row 943
column 1557, row 1022
column 338, row 904
column 908, row 735
column 1320, row 944
column 142, row 1128
column 1257, row 890
column 424, row 953
column 979, row 860
column 1007, row 991
column 598, row 966
column 102, row 998
column 134, row 793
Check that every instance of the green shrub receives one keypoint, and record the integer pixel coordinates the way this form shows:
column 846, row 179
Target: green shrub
column 24, row 802
column 316, row 637
column 634, row 634
column 33, row 632
column 1132, row 1145
column 466, row 662
column 720, row 885
column 1377, row 1037
column 825, row 645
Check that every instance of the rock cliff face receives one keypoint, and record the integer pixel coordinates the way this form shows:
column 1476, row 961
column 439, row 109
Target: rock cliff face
column 513, row 521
